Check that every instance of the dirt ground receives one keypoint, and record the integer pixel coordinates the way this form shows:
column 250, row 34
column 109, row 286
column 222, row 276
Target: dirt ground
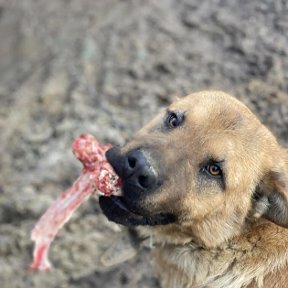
column 106, row 67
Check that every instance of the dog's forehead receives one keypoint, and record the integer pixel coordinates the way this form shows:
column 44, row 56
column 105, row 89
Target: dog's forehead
column 217, row 108
column 209, row 102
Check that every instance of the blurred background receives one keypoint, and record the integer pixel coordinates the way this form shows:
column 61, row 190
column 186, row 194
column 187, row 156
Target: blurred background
column 105, row 68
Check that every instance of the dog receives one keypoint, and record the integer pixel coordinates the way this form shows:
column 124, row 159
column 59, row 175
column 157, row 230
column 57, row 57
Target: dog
column 209, row 182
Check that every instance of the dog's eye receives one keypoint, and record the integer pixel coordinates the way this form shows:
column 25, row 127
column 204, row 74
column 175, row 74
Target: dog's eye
column 214, row 170
column 173, row 120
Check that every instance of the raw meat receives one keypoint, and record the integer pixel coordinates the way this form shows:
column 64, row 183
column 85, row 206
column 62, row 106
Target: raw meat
column 97, row 176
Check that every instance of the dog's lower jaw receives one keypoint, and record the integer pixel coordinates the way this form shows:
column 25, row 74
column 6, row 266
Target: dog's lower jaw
column 203, row 234
column 115, row 210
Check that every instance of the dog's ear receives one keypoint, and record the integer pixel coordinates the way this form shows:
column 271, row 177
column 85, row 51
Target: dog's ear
column 271, row 197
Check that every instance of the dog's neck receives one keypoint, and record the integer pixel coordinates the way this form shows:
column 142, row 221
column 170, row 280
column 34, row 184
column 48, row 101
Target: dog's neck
column 235, row 263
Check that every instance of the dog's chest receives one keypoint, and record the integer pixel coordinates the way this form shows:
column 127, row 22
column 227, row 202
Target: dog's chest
column 234, row 265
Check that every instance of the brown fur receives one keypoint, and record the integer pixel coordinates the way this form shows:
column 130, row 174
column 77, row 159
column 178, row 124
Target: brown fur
column 227, row 235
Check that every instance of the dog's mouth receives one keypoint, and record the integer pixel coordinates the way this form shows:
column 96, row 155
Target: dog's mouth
column 138, row 183
column 116, row 210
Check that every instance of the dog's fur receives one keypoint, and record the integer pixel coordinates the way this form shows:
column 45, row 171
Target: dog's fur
column 229, row 232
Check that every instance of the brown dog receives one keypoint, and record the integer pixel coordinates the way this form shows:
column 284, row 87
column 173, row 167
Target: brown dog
column 210, row 183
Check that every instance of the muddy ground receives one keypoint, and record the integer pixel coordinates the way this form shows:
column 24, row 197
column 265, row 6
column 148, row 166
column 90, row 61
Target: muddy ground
column 106, row 67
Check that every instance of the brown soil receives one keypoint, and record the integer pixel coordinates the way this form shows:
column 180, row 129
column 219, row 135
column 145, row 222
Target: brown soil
column 106, row 67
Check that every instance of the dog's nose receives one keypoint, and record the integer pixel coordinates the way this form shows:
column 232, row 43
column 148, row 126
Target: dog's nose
column 138, row 171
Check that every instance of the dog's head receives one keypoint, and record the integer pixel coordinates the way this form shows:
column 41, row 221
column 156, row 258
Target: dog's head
column 199, row 170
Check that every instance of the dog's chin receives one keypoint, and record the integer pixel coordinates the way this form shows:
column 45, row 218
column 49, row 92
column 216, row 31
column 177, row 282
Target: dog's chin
column 116, row 210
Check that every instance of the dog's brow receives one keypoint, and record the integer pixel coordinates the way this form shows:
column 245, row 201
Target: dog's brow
column 168, row 110
column 177, row 111
column 212, row 158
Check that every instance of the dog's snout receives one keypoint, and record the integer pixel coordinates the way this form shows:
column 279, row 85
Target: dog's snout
column 114, row 157
column 138, row 170
column 134, row 161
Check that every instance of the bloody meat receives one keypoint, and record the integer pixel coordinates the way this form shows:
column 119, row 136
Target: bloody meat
column 97, row 176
